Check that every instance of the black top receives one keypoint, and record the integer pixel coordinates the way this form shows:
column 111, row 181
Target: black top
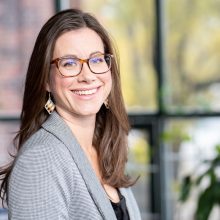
column 120, row 208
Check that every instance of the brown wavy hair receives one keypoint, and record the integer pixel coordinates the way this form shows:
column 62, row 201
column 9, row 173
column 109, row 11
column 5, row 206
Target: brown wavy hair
column 112, row 126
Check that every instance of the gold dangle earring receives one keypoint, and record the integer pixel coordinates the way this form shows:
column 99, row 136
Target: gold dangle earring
column 106, row 103
column 49, row 106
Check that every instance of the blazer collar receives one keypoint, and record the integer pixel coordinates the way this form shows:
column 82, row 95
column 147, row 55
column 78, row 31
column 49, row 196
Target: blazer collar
column 56, row 126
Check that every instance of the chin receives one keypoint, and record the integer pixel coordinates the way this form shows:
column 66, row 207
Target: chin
column 88, row 113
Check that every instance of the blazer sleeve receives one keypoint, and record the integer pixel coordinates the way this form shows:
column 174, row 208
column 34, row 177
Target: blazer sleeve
column 40, row 185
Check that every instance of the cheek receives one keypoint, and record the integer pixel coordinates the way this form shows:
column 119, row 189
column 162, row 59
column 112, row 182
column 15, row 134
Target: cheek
column 58, row 83
column 110, row 85
column 108, row 82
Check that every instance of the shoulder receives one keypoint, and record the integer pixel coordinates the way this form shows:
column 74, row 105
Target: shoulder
column 43, row 172
column 43, row 146
column 42, row 155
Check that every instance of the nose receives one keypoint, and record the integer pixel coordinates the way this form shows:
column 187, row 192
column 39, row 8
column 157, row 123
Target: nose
column 86, row 75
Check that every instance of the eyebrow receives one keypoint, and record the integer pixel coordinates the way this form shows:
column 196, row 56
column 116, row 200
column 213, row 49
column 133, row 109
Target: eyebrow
column 96, row 52
column 75, row 56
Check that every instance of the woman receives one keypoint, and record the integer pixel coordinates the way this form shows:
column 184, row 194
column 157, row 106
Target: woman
column 72, row 143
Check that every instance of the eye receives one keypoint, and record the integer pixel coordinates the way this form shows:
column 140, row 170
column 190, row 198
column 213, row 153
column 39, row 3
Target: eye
column 97, row 60
column 68, row 62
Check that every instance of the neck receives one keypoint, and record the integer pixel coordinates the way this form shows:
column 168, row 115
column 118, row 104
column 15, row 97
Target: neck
column 83, row 129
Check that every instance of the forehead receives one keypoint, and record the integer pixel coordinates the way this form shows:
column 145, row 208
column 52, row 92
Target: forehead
column 81, row 42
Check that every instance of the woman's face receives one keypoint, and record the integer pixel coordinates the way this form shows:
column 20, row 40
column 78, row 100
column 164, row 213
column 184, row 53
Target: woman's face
column 84, row 94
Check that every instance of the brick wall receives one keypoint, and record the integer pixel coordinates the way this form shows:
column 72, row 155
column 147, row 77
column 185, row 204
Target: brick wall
column 20, row 22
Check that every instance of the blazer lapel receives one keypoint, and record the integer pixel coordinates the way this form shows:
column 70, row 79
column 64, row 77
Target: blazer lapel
column 60, row 130
column 131, row 203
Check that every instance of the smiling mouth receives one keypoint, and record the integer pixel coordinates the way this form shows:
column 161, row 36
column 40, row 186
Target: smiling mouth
column 85, row 92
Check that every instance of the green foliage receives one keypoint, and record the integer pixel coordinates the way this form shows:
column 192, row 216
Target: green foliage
column 185, row 188
column 205, row 204
column 209, row 196
column 193, row 56
column 175, row 134
column 140, row 152
column 206, row 201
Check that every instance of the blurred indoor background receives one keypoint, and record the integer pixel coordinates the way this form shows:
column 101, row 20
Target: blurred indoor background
column 169, row 55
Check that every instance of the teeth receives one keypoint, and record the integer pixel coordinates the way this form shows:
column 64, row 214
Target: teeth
column 85, row 92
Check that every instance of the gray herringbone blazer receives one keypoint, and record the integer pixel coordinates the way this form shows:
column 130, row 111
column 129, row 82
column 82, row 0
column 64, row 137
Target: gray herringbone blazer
column 53, row 180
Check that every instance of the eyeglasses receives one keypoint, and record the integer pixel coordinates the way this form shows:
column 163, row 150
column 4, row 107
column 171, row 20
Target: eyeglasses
column 72, row 66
